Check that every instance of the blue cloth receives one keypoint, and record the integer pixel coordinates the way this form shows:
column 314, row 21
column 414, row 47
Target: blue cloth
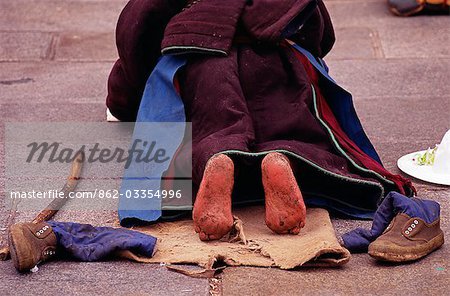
column 341, row 102
column 162, row 103
column 85, row 242
column 358, row 240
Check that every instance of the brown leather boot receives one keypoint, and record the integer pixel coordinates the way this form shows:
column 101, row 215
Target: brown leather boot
column 31, row 244
column 407, row 239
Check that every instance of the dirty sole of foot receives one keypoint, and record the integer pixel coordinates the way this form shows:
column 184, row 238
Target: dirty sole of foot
column 285, row 209
column 212, row 208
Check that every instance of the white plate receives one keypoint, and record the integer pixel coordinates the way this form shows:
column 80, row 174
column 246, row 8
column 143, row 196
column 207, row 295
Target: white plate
column 422, row 172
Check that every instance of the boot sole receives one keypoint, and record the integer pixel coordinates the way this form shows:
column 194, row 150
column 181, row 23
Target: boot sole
column 20, row 249
column 399, row 254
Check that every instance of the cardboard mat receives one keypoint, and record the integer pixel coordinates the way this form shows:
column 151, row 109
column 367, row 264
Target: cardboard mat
column 251, row 243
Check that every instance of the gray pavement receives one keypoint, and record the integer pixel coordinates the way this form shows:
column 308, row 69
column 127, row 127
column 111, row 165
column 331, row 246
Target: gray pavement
column 55, row 56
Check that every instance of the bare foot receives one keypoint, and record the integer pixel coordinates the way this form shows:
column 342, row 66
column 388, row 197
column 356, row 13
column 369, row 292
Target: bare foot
column 212, row 208
column 285, row 209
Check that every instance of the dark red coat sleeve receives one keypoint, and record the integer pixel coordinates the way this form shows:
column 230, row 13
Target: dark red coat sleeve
column 139, row 33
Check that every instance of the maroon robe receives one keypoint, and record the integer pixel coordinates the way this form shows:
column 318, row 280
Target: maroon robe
column 244, row 92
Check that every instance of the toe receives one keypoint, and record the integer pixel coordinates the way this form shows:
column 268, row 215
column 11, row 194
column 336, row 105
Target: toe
column 302, row 224
column 214, row 236
column 203, row 236
column 209, row 237
column 295, row 230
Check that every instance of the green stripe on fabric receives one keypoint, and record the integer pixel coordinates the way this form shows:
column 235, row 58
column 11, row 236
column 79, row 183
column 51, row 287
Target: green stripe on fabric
column 336, row 144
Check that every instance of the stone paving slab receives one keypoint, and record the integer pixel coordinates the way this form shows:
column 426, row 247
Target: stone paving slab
column 424, row 42
column 25, row 46
column 104, row 278
column 82, row 46
column 86, row 47
column 419, row 36
column 65, row 83
column 375, row 13
column 364, row 44
column 53, row 15
column 61, row 46
column 387, row 42
column 96, row 217
column 392, row 77
column 361, row 276
column 411, row 118
column 63, row 111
